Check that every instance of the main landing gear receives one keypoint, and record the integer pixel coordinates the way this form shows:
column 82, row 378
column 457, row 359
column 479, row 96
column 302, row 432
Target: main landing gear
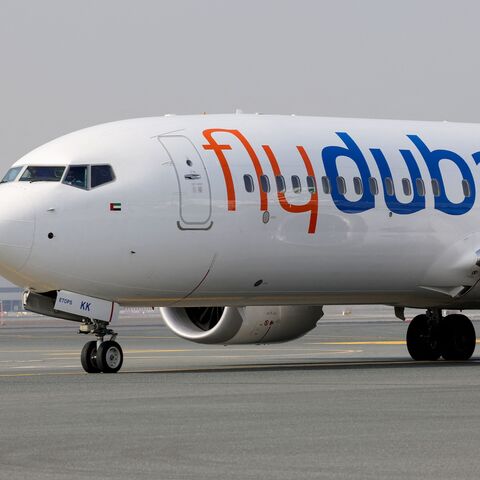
column 100, row 355
column 432, row 336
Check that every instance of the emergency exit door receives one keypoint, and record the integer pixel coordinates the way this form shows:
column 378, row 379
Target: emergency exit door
column 193, row 185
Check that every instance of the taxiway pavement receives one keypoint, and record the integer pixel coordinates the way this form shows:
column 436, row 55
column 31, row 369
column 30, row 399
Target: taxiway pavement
column 345, row 401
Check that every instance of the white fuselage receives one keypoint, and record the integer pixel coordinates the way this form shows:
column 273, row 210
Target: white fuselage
column 179, row 227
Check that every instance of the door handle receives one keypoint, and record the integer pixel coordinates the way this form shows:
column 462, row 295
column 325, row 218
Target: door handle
column 192, row 176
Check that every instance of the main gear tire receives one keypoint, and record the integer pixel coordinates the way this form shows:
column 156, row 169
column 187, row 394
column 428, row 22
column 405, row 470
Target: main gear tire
column 458, row 337
column 423, row 339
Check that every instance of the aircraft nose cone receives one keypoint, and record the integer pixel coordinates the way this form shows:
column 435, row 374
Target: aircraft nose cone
column 17, row 225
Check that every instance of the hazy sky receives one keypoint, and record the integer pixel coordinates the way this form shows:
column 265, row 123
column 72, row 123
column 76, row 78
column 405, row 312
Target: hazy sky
column 67, row 64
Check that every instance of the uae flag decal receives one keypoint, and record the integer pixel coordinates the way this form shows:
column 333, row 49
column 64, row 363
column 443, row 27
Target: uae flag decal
column 115, row 207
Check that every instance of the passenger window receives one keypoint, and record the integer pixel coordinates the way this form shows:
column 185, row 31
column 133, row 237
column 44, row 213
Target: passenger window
column 249, row 185
column 101, row 174
column 407, row 187
column 435, row 187
column 296, row 184
column 77, row 176
column 312, row 187
column 11, row 175
column 373, row 185
column 280, row 181
column 466, row 188
column 42, row 174
column 420, row 187
column 389, row 187
column 265, row 183
column 341, row 185
column 326, row 185
column 357, row 185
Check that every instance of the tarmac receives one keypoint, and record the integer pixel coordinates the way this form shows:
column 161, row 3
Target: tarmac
column 345, row 401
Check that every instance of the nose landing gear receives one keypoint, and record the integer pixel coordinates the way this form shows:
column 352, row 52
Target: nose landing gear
column 432, row 336
column 109, row 357
column 101, row 355
column 88, row 357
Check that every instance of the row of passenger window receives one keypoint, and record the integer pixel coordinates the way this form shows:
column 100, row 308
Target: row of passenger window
column 341, row 183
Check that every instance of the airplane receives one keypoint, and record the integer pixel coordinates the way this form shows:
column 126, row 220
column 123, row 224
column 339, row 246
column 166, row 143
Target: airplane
column 242, row 227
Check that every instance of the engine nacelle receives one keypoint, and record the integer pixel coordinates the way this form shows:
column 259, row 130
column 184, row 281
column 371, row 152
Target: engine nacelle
column 241, row 325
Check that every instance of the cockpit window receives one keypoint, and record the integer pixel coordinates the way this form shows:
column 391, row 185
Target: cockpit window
column 101, row 174
column 42, row 174
column 11, row 175
column 80, row 176
column 77, row 176
column 88, row 176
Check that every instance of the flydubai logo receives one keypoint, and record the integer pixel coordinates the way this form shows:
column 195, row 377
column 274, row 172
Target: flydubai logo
column 348, row 149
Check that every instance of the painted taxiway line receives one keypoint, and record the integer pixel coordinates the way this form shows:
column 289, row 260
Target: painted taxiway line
column 366, row 342
column 217, row 368
column 42, row 374
column 201, row 350
column 308, row 365
column 126, row 352
column 40, row 367
column 263, row 366
column 57, row 352
column 267, row 355
column 357, row 342
column 204, row 352
column 136, row 356
column 363, row 342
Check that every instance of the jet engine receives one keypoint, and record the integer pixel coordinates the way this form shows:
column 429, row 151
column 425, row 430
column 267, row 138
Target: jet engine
column 241, row 325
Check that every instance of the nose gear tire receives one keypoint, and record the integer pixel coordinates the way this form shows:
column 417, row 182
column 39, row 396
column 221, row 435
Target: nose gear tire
column 88, row 357
column 109, row 357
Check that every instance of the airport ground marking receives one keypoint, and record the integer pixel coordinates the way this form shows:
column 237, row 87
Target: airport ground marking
column 363, row 342
column 268, row 355
column 269, row 366
column 127, row 352
column 264, row 366
column 213, row 368
column 366, row 342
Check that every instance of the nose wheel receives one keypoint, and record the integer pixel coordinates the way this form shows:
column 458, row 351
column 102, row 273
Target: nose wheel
column 109, row 357
column 104, row 356
column 88, row 357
